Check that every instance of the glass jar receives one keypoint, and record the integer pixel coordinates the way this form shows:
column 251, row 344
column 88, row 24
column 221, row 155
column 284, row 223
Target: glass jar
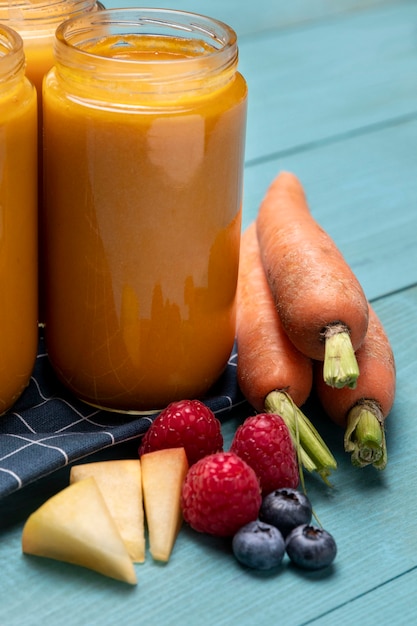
column 144, row 121
column 18, row 220
column 36, row 22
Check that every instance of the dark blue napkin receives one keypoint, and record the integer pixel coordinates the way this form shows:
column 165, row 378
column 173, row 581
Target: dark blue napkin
column 49, row 428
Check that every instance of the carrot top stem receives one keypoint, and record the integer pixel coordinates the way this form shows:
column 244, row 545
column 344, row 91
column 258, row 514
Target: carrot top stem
column 340, row 368
column 312, row 452
column 365, row 435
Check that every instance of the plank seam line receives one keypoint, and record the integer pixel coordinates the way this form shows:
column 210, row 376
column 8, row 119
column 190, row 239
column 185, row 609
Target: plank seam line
column 359, row 596
column 393, row 292
column 333, row 139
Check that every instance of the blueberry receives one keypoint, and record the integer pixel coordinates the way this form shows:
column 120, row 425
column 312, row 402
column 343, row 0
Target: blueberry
column 310, row 547
column 286, row 509
column 259, row 545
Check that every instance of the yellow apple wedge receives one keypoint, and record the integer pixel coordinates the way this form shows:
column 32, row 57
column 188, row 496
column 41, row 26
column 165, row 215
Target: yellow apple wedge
column 120, row 484
column 163, row 474
column 75, row 526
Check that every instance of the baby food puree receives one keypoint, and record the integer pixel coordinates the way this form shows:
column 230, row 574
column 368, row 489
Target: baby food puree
column 18, row 221
column 144, row 142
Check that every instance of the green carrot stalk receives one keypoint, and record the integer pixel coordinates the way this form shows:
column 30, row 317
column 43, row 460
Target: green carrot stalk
column 313, row 452
column 362, row 411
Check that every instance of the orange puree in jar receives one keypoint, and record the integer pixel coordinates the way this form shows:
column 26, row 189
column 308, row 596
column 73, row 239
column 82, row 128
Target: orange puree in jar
column 18, row 221
column 143, row 160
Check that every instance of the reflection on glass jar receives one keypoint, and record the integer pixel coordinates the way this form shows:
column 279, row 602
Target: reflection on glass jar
column 18, row 221
column 144, row 116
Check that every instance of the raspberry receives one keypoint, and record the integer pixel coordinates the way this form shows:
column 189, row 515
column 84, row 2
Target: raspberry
column 189, row 424
column 220, row 494
column 265, row 443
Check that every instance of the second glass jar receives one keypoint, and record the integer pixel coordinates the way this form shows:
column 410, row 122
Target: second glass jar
column 144, row 127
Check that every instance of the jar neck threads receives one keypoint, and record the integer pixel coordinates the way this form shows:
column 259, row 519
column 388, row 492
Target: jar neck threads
column 146, row 51
column 12, row 58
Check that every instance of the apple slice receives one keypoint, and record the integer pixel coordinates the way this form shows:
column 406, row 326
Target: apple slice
column 121, row 486
column 75, row 526
column 163, row 474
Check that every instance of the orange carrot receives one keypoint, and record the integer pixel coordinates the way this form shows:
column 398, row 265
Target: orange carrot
column 320, row 301
column 272, row 374
column 267, row 359
column 362, row 411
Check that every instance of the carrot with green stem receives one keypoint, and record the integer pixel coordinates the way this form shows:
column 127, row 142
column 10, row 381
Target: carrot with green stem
column 362, row 411
column 320, row 301
column 272, row 374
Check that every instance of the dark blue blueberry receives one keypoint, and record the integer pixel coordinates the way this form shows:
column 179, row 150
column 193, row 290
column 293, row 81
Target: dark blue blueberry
column 259, row 545
column 310, row 547
column 286, row 509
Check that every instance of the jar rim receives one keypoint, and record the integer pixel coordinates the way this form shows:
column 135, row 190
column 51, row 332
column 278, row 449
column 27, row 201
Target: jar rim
column 75, row 34
column 12, row 57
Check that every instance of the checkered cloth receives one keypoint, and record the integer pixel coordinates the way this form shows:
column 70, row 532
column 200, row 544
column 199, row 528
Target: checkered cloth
column 48, row 428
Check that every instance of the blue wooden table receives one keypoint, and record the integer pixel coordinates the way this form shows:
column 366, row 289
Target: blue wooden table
column 333, row 98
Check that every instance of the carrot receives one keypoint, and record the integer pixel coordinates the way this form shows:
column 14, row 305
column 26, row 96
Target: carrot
column 362, row 411
column 266, row 356
column 320, row 301
column 272, row 374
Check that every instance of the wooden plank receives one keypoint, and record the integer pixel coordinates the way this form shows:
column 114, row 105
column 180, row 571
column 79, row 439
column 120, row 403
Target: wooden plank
column 328, row 80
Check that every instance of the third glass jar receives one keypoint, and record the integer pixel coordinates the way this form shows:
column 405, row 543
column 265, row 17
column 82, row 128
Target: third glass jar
column 144, row 126
column 36, row 22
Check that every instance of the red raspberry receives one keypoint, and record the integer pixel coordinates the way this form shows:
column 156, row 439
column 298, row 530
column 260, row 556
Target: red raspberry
column 189, row 424
column 220, row 494
column 265, row 443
